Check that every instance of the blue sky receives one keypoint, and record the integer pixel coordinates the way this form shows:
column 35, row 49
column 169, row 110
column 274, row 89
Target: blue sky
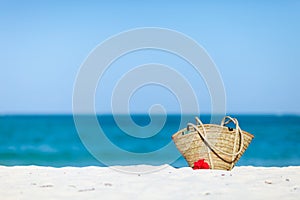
column 254, row 44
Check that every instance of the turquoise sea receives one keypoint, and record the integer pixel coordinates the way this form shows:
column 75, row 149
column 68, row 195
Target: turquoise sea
column 52, row 140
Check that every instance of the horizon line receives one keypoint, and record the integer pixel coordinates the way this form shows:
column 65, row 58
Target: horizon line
column 145, row 113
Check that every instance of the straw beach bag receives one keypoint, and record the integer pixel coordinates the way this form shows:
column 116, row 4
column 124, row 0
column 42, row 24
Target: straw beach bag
column 220, row 146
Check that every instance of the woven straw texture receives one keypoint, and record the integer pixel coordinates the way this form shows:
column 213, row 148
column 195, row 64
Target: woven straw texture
column 221, row 147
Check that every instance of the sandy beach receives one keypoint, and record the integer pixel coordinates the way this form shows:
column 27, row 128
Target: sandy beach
column 163, row 182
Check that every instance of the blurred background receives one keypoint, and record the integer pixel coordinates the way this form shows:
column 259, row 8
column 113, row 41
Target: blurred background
column 255, row 46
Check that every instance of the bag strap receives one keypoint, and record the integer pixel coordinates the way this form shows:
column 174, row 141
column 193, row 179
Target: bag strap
column 224, row 122
column 229, row 119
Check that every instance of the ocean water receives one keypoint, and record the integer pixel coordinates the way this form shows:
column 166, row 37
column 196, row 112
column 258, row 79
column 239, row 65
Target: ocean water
column 53, row 140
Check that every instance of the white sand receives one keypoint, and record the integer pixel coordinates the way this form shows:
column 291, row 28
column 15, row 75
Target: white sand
column 165, row 182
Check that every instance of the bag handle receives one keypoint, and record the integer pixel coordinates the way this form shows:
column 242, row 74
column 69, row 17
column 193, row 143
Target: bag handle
column 229, row 119
column 224, row 122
